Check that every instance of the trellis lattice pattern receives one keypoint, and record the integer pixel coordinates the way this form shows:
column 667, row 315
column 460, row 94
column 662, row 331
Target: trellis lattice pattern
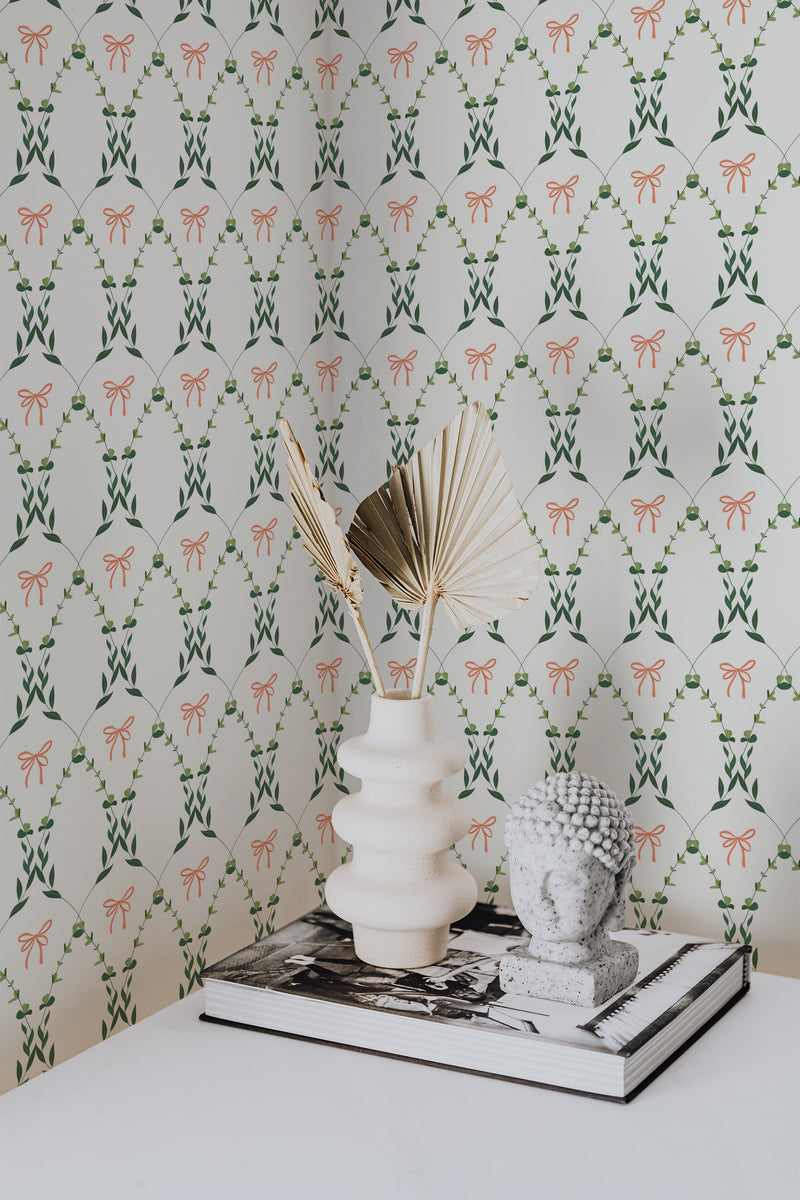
column 362, row 215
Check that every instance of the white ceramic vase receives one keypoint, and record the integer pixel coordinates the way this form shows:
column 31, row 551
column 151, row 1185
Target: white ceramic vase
column 401, row 889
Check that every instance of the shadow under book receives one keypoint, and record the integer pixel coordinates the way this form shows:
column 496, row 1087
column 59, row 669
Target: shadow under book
column 305, row 981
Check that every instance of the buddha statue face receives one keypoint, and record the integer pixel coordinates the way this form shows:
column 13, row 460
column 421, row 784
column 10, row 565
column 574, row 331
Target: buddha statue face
column 561, row 894
column 570, row 848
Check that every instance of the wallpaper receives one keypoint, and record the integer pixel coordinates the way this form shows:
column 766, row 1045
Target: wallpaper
column 362, row 215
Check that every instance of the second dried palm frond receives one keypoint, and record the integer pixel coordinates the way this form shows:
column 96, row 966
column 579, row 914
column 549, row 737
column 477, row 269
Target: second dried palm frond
column 448, row 527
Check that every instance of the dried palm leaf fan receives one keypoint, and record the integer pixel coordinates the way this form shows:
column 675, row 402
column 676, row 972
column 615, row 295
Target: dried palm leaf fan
column 324, row 540
column 448, row 527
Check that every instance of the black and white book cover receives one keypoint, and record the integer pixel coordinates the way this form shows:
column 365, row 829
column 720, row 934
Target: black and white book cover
column 314, row 959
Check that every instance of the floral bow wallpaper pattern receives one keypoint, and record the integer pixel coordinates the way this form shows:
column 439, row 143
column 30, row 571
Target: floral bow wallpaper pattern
column 362, row 215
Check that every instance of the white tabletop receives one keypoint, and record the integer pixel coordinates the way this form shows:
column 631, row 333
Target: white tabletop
column 176, row 1108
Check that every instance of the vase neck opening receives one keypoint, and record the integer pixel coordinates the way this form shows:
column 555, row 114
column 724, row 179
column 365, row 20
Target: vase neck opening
column 397, row 716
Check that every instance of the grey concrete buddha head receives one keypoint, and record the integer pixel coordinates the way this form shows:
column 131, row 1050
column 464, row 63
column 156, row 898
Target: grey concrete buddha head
column 570, row 845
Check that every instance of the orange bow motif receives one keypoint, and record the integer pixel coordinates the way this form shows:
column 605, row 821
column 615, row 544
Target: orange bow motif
column 731, row 840
column 195, row 710
column 474, row 357
column 567, row 511
column 731, row 336
column 398, row 210
column 114, row 735
column 407, row 56
column 647, row 508
column 196, row 383
column 328, row 69
column 29, row 760
column 114, row 219
column 484, row 827
column 476, row 672
column 475, row 43
column 641, row 838
column 190, row 219
column 568, row 351
column 328, row 671
column 653, row 15
column 39, row 219
column 28, row 940
column 120, row 391
column 264, row 219
column 259, row 376
column 557, row 190
column 324, row 822
column 641, row 672
column 642, row 344
column 396, row 365
column 198, row 548
column 115, row 562
column 731, row 169
column 190, row 55
column 568, row 673
column 406, row 670
column 122, row 905
column 38, row 398
column 123, row 46
column 328, row 220
column 730, row 5
column 555, row 30
column 258, row 848
column 641, row 180
column 40, row 579
column 264, row 60
column 263, row 532
column 730, row 506
column 328, row 371
column 260, row 690
column 484, row 199
column 39, row 38
column 730, row 673
column 198, row 873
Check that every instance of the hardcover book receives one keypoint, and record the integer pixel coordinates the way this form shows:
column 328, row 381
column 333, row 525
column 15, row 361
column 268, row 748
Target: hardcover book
column 305, row 981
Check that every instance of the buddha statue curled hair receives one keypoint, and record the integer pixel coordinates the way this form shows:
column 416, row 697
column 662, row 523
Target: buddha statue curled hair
column 574, row 810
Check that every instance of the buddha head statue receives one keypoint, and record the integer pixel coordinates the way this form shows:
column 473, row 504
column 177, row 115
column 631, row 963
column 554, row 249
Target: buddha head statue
column 570, row 844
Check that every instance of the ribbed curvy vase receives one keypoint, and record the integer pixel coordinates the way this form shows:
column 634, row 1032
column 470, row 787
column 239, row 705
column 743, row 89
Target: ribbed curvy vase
column 401, row 889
